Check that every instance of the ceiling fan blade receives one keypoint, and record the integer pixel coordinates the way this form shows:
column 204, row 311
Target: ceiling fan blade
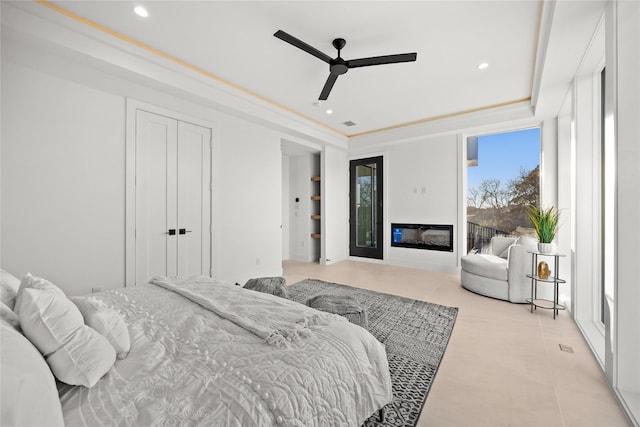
column 379, row 60
column 328, row 86
column 302, row 45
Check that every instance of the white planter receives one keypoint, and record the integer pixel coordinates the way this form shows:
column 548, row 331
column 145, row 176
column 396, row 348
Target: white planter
column 546, row 248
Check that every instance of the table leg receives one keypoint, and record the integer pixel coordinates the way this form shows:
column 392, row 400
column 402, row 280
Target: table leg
column 555, row 286
column 533, row 273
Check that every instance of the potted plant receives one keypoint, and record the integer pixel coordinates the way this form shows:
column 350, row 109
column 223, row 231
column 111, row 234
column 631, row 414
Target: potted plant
column 545, row 222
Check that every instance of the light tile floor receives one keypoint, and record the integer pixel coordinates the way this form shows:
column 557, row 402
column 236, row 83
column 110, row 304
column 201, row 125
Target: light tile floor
column 503, row 365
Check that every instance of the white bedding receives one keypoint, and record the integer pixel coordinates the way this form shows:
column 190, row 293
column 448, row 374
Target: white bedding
column 189, row 366
column 275, row 320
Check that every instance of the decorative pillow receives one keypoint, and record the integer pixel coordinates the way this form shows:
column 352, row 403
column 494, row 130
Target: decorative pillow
column 526, row 241
column 268, row 285
column 106, row 321
column 9, row 316
column 9, row 285
column 29, row 281
column 29, row 394
column 77, row 354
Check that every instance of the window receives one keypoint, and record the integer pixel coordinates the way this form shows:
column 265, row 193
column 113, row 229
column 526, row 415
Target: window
column 503, row 180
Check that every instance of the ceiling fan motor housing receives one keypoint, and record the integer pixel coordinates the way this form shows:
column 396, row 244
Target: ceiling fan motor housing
column 338, row 66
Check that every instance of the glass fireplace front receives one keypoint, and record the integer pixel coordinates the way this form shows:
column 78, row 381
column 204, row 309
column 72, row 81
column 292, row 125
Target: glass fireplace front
column 422, row 236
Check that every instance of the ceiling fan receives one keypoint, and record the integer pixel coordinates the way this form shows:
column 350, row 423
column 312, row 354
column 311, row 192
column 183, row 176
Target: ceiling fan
column 338, row 65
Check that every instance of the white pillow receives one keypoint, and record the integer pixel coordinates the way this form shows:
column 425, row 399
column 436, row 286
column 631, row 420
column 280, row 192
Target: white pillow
column 9, row 285
column 29, row 281
column 106, row 321
column 526, row 241
column 29, row 394
column 9, row 316
column 76, row 354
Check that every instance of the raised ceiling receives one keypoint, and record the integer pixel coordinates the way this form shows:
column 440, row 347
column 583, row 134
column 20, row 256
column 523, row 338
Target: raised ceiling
column 233, row 41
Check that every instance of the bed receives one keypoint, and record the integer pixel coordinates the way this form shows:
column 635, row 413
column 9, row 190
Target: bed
column 208, row 353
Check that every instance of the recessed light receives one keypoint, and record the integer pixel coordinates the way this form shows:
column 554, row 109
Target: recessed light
column 141, row 11
column 483, row 66
column 329, row 111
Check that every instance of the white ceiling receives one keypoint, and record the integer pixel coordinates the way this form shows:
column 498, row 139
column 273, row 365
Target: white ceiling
column 234, row 41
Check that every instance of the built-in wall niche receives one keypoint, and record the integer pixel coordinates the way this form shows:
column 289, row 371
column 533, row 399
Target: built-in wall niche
column 435, row 237
column 316, row 207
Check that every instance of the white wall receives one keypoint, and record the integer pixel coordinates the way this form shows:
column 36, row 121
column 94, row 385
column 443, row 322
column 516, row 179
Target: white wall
column 565, row 203
column 422, row 188
column 249, row 177
column 578, row 189
column 587, row 202
column 335, row 204
column 62, row 179
column 300, row 173
column 616, row 344
column 549, row 163
column 63, row 171
column 286, row 203
column 622, row 111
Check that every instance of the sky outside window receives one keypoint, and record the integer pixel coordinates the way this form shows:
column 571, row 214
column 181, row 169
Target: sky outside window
column 502, row 155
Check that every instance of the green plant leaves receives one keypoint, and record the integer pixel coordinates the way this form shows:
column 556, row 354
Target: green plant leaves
column 545, row 222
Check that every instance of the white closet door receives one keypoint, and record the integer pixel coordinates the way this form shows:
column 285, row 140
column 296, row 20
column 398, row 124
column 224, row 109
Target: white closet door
column 156, row 200
column 194, row 200
column 173, row 198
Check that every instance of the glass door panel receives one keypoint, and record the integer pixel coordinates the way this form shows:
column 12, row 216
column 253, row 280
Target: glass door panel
column 365, row 196
column 366, row 208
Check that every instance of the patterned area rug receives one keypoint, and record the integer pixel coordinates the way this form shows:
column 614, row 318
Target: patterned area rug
column 415, row 334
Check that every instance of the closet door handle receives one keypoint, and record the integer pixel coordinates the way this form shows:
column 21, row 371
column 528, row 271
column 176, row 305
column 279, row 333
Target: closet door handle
column 171, row 232
column 184, row 231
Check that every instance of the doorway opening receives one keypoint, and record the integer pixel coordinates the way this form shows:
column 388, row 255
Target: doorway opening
column 301, row 202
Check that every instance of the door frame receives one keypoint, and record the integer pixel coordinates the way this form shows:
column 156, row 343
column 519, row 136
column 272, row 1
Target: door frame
column 132, row 106
column 355, row 251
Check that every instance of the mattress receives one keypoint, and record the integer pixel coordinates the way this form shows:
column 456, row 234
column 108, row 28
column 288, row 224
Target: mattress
column 191, row 366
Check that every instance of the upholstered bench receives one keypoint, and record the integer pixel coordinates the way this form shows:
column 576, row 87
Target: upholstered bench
column 345, row 306
column 268, row 285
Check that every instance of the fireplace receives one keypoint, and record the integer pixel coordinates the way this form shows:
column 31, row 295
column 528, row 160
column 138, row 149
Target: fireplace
column 422, row 236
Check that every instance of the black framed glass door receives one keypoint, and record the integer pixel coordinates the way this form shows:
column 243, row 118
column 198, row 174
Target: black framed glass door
column 365, row 201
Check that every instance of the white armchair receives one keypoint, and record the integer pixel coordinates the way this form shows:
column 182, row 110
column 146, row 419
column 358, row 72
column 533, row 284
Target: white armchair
column 502, row 272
